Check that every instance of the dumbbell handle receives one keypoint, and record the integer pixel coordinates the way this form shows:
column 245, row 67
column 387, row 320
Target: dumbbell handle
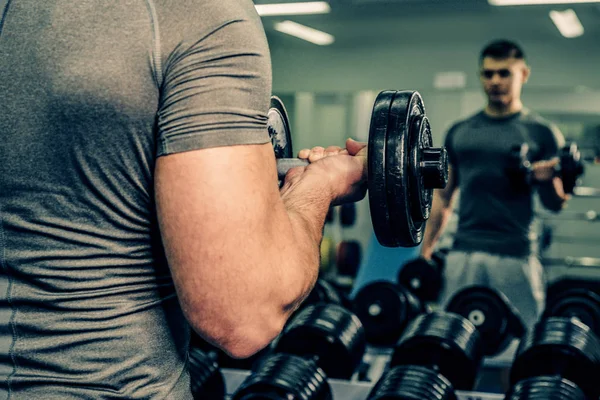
column 285, row 164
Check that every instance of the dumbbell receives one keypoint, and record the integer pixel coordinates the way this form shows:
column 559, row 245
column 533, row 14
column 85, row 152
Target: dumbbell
column 349, row 253
column 438, row 353
column 403, row 167
column 562, row 350
column 569, row 169
column 497, row 321
column 425, row 278
column 580, row 303
column 322, row 341
column 206, row 379
column 222, row 358
column 385, row 309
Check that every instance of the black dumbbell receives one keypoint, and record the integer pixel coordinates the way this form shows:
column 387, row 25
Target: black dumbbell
column 385, row 309
column 424, row 278
column 438, row 354
column 569, row 169
column 280, row 376
column 206, row 380
column 560, row 347
column 329, row 338
column 545, row 388
column 222, row 358
column 580, row 303
column 403, row 166
column 497, row 321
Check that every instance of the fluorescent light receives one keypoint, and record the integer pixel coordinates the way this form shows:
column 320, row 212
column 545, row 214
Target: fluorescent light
column 535, row 2
column 312, row 7
column 567, row 23
column 304, row 32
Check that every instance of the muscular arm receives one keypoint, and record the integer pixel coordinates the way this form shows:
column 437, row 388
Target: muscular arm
column 241, row 256
column 441, row 211
column 550, row 188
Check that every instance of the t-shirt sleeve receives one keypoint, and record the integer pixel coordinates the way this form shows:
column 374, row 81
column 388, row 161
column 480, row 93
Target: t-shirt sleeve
column 216, row 86
column 449, row 145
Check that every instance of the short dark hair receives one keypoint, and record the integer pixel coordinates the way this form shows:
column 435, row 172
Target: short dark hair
column 502, row 49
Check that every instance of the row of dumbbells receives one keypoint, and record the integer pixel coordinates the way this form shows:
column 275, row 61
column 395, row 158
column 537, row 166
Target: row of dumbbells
column 438, row 353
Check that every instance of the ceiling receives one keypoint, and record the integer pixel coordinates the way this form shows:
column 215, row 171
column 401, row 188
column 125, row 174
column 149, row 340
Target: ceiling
column 422, row 22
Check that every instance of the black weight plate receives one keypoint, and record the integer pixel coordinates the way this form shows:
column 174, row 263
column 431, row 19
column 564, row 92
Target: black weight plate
column 412, row 382
column 582, row 304
column 423, row 278
column 545, row 388
column 278, row 126
column 384, row 310
column 283, row 377
column 377, row 167
column 563, row 347
column 408, row 232
column 206, row 380
column 446, row 342
column 421, row 196
column 328, row 333
column 492, row 314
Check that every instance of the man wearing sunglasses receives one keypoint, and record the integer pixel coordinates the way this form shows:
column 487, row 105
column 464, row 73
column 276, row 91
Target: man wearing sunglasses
column 493, row 243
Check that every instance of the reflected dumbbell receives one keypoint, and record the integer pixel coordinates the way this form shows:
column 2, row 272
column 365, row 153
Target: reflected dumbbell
column 425, row 278
column 206, row 380
column 497, row 321
column 438, row 354
column 385, row 309
column 328, row 338
column 557, row 348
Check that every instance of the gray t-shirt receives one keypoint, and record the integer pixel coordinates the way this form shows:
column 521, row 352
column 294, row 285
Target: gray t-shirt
column 495, row 213
column 91, row 93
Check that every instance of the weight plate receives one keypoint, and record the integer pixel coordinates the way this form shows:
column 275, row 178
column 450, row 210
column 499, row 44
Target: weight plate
column 490, row 311
column 328, row 333
column 545, row 388
column 421, row 196
column 384, row 310
column 423, row 278
column 562, row 347
column 279, row 129
column 412, row 382
column 407, row 231
column 284, row 376
column 378, row 203
column 582, row 304
column 206, row 380
column 445, row 342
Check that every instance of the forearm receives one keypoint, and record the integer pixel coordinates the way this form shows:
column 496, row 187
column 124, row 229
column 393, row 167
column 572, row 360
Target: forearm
column 552, row 194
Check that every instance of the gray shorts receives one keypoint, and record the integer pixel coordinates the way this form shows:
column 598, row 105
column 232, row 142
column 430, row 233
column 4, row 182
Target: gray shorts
column 520, row 279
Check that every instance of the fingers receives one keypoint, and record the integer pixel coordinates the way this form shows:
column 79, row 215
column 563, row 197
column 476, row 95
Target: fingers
column 354, row 147
column 318, row 152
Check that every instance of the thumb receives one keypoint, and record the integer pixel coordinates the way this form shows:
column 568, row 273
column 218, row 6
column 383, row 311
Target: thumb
column 354, row 147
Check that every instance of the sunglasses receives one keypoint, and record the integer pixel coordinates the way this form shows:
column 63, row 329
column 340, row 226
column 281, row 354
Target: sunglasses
column 489, row 73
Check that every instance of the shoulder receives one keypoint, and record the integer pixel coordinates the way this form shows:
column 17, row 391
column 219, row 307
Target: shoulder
column 542, row 129
column 464, row 123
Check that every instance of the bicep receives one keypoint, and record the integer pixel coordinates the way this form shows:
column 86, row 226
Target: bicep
column 208, row 203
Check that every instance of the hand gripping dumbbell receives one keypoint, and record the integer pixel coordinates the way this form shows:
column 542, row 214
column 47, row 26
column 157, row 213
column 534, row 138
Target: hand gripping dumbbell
column 424, row 278
column 322, row 341
column 558, row 359
column 569, row 169
column 497, row 321
column 438, row 353
column 385, row 309
column 403, row 167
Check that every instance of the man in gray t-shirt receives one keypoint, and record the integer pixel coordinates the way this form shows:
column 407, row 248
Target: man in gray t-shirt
column 139, row 195
column 492, row 245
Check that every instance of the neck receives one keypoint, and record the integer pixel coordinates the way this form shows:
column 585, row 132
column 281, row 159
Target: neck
column 503, row 110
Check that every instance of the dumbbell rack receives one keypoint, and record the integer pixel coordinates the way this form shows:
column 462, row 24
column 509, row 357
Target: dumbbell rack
column 378, row 358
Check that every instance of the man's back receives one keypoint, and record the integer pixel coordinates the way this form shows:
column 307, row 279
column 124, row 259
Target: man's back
column 87, row 304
